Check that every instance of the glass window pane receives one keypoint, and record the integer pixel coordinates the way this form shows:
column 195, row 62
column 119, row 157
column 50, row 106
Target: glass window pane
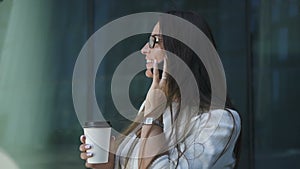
column 276, row 54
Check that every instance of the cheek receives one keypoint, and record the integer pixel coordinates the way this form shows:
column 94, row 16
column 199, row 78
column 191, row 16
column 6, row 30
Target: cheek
column 158, row 54
column 160, row 59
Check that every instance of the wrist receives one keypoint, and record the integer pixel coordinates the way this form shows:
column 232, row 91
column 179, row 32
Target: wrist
column 153, row 121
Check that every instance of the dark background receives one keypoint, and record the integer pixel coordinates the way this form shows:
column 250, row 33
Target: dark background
column 257, row 40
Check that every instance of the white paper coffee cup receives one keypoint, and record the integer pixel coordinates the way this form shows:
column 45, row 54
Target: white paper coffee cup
column 98, row 136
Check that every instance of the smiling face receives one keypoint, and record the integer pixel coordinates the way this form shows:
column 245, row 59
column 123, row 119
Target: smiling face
column 155, row 52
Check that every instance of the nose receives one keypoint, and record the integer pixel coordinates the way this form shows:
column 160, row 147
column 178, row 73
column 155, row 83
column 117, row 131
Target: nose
column 145, row 49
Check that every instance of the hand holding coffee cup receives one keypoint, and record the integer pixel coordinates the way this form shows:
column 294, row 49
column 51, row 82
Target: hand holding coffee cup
column 96, row 145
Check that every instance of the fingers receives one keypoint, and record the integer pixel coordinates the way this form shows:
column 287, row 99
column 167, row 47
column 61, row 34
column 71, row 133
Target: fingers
column 92, row 166
column 88, row 165
column 82, row 139
column 155, row 73
column 85, row 156
column 84, row 147
column 164, row 74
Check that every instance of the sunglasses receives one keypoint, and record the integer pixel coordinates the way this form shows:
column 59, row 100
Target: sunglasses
column 153, row 39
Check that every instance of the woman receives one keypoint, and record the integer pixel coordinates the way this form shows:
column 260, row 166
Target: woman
column 173, row 131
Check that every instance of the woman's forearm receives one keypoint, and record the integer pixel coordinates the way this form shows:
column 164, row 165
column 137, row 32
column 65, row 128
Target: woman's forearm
column 153, row 142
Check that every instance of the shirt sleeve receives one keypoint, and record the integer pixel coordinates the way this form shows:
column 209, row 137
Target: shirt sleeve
column 213, row 139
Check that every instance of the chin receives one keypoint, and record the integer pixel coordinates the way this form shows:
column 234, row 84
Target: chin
column 148, row 73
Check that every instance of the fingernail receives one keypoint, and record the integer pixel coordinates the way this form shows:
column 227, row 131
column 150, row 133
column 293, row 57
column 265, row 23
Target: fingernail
column 113, row 137
column 81, row 137
column 87, row 146
column 89, row 154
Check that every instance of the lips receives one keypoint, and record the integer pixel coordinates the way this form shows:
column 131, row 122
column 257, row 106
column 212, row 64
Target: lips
column 149, row 64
